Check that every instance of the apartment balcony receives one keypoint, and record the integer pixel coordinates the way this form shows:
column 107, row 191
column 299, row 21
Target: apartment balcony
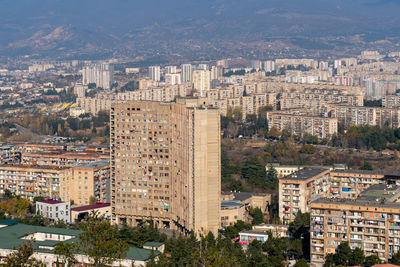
column 321, row 252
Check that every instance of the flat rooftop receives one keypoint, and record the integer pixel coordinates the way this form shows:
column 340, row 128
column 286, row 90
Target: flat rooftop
column 253, row 232
column 374, row 204
column 272, row 225
column 380, row 191
column 26, row 166
column 240, row 196
column 90, row 207
column 358, row 172
column 305, row 174
column 380, row 195
column 94, row 165
column 231, row 204
column 50, row 201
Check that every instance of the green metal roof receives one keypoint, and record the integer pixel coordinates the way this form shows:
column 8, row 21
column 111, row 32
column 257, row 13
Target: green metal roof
column 47, row 243
column 141, row 254
column 8, row 222
column 11, row 238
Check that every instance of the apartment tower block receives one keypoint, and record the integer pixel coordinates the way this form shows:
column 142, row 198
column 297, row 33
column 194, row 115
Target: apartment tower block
column 165, row 164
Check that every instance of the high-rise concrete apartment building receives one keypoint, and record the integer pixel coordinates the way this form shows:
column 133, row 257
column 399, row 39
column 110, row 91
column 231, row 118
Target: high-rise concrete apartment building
column 170, row 69
column 298, row 189
column 100, row 74
column 186, row 72
column 269, row 66
column 155, row 73
column 202, row 81
column 165, row 164
column 216, row 72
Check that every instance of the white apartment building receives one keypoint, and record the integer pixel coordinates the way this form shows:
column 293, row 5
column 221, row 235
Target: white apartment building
column 54, row 210
column 201, row 82
column 100, row 74
column 186, row 72
column 155, row 73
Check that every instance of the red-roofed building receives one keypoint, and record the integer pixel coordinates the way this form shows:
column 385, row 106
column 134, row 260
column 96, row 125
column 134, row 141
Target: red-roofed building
column 79, row 213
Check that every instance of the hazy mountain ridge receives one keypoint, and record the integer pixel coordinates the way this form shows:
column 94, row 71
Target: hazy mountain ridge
column 128, row 27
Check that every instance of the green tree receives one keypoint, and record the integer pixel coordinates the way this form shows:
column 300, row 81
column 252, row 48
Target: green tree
column 146, row 231
column 330, row 260
column 357, row 257
column 371, row 260
column 301, row 263
column 395, row 259
column 22, row 257
column 254, row 172
column 99, row 241
column 300, row 229
column 66, row 252
column 227, row 167
column 183, row 251
column 343, row 254
column 257, row 215
column 233, row 231
column 272, row 178
column 237, row 113
column 8, row 194
column 255, row 257
column 366, row 166
column 283, row 248
column 307, row 149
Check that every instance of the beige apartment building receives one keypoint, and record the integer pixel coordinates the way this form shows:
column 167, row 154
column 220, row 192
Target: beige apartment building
column 31, row 181
column 301, row 125
column 165, row 164
column 354, row 115
column 102, row 102
column 88, row 182
column 255, row 200
column 350, row 183
column 249, row 104
column 231, row 212
column 96, row 104
column 298, row 189
column 61, row 159
column 317, row 100
column 370, row 222
column 391, row 101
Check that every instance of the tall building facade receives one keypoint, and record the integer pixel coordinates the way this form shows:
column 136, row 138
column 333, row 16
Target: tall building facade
column 173, row 79
column 165, row 164
column 269, row 66
column 216, row 72
column 186, row 72
column 155, row 73
column 202, row 81
column 297, row 189
column 369, row 222
column 100, row 74
column 170, row 69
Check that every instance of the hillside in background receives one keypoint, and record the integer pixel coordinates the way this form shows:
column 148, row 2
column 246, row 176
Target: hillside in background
column 192, row 28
